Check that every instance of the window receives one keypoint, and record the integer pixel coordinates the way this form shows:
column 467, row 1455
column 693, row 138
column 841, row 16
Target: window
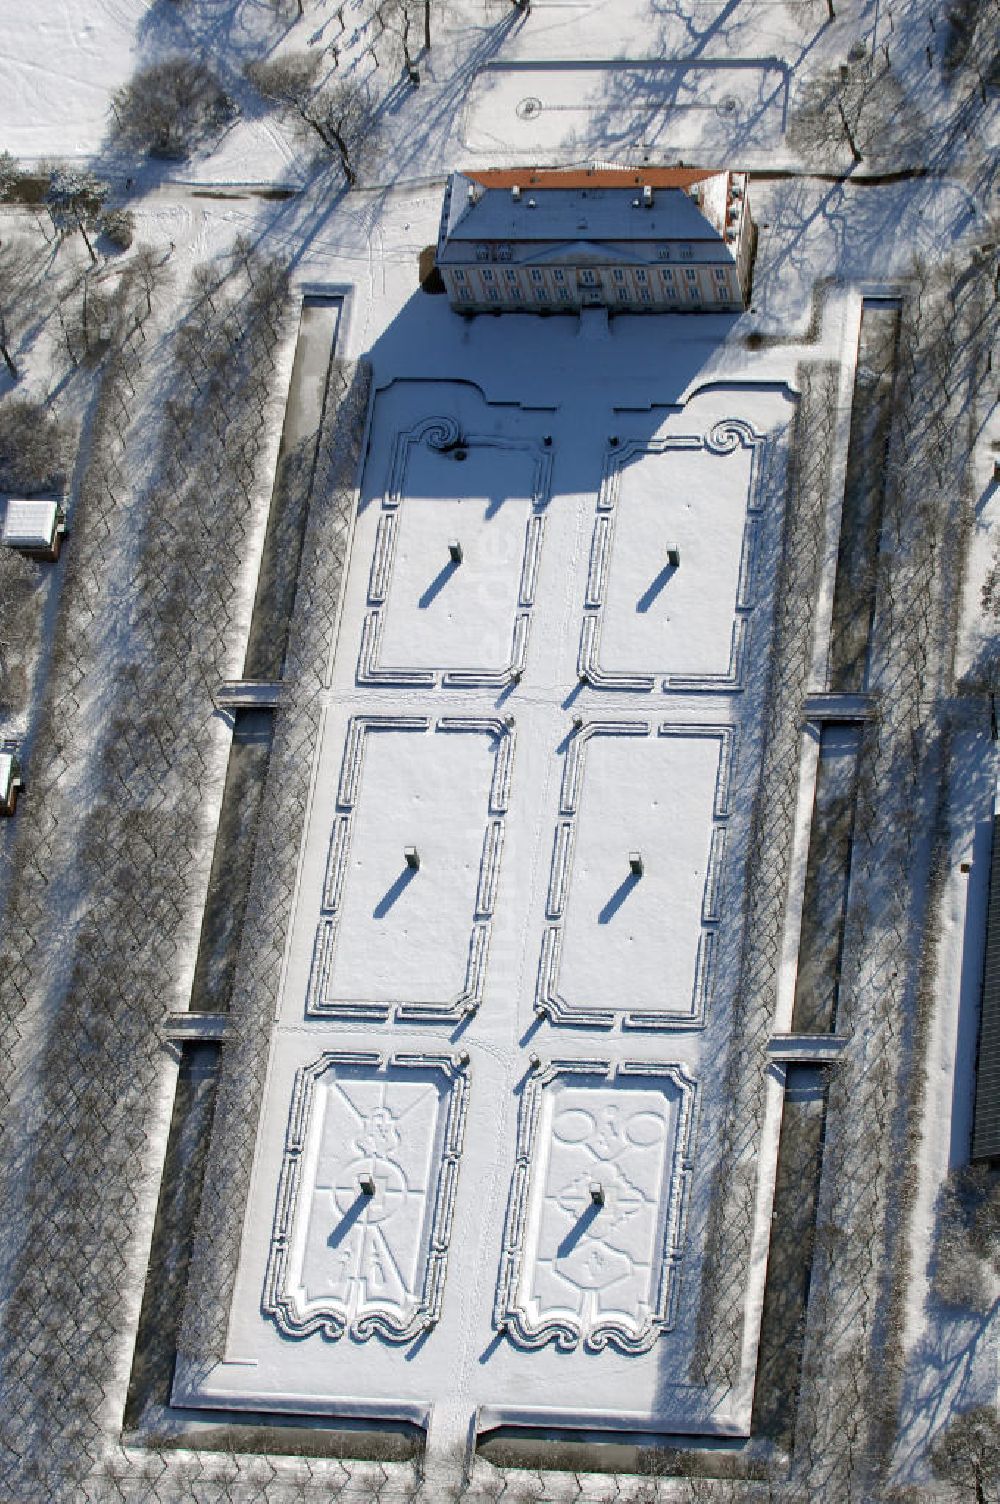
column 482, row 253
column 684, row 252
column 645, row 294
column 564, row 294
column 640, row 275
column 488, row 274
column 588, row 278
column 536, row 275
column 494, row 295
column 504, row 252
column 667, row 274
column 623, row 294
column 459, row 274
column 672, row 294
column 691, row 274
column 720, row 274
column 516, row 293
column 663, row 253
column 541, row 294
column 559, row 276
column 619, row 274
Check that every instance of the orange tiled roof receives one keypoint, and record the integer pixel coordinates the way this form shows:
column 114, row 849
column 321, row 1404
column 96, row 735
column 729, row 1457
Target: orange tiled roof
column 590, row 177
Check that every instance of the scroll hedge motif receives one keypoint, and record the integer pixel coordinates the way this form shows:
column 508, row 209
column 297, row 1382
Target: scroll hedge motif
column 366, row 1195
column 595, row 1220
column 443, row 435
column 723, row 438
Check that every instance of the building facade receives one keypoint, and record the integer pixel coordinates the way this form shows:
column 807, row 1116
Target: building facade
column 632, row 240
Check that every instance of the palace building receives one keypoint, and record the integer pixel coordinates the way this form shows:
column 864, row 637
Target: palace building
column 632, row 240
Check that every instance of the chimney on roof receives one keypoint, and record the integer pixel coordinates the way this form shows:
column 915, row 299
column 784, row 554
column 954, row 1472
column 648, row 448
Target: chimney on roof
column 647, row 196
column 515, row 193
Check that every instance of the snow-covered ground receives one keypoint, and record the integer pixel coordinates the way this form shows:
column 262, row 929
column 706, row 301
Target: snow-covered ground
column 449, row 710
column 524, row 905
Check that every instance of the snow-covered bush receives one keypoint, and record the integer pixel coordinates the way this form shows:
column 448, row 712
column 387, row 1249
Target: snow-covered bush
column 118, row 227
column 167, row 108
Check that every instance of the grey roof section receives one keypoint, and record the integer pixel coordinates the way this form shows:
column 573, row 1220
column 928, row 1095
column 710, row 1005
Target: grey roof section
column 986, row 1121
column 572, row 214
column 591, row 253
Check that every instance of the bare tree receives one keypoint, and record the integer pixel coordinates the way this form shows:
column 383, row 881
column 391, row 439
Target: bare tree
column 402, row 18
column 972, row 40
column 14, row 262
column 967, row 1245
column 75, row 199
column 168, row 107
column 149, row 270
column 338, row 113
column 968, row 1454
column 18, row 626
column 34, row 446
column 861, row 106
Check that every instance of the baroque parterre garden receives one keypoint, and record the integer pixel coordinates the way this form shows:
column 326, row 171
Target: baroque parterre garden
column 499, row 610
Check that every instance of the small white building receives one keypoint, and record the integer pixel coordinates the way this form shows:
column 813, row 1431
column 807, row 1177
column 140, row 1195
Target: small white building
column 10, row 782
column 632, row 240
column 34, row 526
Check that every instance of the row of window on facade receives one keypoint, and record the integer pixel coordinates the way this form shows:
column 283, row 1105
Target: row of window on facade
column 505, row 252
column 513, row 284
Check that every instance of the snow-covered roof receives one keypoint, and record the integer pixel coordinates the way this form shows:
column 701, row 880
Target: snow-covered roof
column 6, row 775
column 623, row 205
column 30, row 523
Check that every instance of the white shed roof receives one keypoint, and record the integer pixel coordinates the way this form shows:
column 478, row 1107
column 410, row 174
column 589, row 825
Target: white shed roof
column 30, row 524
column 6, row 774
